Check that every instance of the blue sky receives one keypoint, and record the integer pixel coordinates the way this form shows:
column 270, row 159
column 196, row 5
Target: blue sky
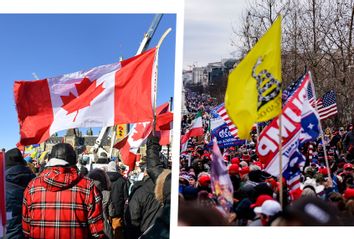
column 54, row 44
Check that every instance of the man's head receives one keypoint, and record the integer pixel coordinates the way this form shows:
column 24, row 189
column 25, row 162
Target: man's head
column 14, row 157
column 64, row 152
column 348, row 168
column 268, row 209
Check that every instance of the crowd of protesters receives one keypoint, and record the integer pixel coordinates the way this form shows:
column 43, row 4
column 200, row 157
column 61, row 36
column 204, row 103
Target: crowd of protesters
column 321, row 199
column 57, row 199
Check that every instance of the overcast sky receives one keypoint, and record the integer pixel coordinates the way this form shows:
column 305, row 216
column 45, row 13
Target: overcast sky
column 208, row 29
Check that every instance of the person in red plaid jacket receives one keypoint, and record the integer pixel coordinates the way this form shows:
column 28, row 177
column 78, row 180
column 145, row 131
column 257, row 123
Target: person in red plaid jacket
column 60, row 203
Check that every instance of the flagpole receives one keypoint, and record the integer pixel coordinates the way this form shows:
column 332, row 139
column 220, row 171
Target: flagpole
column 142, row 47
column 155, row 77
column 113, row 139
column 321, row 131
column 280, row 162
column 169, row 132
column 257, row 128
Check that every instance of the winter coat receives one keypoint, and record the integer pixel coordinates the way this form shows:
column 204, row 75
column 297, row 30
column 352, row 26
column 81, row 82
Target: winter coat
column 142, row 210
column 60, row 203
column 17, row 179
column 161, row 227
column 119, row 194
column 103, row 184
column 106, row 202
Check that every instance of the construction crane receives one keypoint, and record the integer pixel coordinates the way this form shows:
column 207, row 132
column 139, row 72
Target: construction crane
column 105, row 131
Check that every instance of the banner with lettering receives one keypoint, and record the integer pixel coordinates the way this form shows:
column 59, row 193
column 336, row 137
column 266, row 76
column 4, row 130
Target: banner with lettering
column 300, row 124
column 221, row 131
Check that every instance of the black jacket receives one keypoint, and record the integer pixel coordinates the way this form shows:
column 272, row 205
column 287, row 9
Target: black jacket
column 161, row 228
column 17, row 179
column 142, row 210
column 119, row 194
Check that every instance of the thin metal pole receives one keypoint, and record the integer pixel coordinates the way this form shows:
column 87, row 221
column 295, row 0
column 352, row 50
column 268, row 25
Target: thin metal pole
column 321, row 131
column 142, row 47
column 113, row 140
column 169, row 133
column 35, row 76
column 280, row 162
column 156, row 76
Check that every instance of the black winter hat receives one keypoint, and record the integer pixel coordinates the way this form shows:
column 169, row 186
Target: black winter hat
column 14, row 157
column 65, row 152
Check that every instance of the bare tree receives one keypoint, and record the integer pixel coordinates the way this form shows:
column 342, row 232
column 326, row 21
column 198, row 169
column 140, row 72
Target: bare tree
column 316, row 35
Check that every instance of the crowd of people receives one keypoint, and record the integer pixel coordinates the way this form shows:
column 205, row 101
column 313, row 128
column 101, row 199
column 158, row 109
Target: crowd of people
column 321, row 198
column 57, row 198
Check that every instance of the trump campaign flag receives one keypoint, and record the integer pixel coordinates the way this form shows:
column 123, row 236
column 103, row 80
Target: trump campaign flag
column 300, row 124
column 106, row 95
column 253, row 91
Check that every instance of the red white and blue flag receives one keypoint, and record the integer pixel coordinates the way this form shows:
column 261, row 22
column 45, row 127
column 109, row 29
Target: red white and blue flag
column 223, row 114
column 327, row 105
column 300, row 124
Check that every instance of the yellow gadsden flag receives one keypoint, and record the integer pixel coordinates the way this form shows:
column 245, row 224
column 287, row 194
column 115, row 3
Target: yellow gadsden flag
column 253, row 91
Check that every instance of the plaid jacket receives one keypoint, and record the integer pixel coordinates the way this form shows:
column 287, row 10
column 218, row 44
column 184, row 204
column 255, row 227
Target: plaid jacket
column 61, row 204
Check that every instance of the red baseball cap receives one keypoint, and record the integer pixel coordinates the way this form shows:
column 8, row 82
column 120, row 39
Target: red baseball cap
column 323, row 171
column 348, row 165
column 233, row 169
column 235, row 160
column 260, row 200
column 244, row 170
column 348, row 193
column 204, row 180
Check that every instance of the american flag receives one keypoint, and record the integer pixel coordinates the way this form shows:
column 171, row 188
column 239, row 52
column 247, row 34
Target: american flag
column 310, row 94
column 327, row 105
column 289, row 91
column 223, row 114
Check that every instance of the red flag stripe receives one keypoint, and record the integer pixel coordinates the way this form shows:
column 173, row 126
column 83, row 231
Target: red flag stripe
column 132, row 92
column 34, row 109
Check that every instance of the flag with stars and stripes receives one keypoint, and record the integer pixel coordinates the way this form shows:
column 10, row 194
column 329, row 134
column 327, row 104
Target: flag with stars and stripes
column 223, row 114
column 303, row 124
column 289, row 91
column 327, row 105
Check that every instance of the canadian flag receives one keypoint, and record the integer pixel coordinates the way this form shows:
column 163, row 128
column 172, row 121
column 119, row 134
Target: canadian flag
column 106, row 95
column 138, row 134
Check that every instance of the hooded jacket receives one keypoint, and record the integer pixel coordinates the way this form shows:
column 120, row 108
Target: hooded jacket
column 17, row 179
column 119, row 194
column 142, row 210
column 59, row 203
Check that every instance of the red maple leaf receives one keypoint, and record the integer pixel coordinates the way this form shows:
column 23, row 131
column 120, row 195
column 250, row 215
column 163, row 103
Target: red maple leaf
column 141, row 131
column 86, row 91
